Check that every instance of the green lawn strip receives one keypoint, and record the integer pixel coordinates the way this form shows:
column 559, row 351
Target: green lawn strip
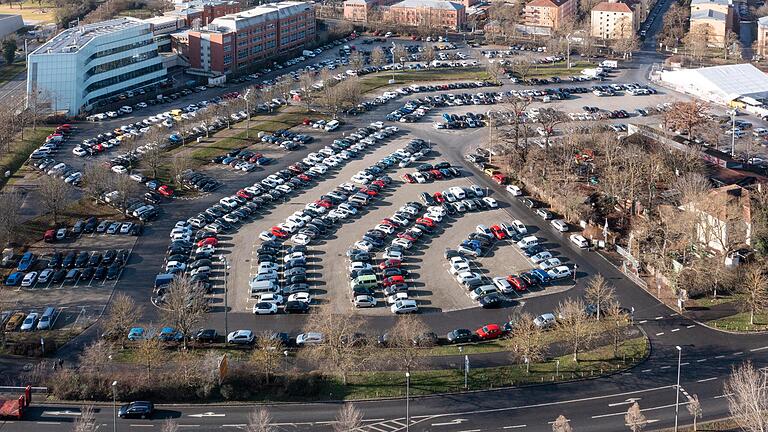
column 558, row 69
column 740, row 322
column 708, row 301
column 381, row 79
column 8, row 72
column 591, row 363
column 20, row 149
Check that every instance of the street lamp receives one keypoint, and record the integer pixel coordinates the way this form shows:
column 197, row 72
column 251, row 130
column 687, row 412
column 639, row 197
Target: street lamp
column 557, row 368
column 407, row 401
column 114, row 406
column 223, row 259
column 677, row 388
column 285, row 362
column 247, row 111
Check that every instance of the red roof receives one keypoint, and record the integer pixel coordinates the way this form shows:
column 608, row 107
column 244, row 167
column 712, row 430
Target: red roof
column 611, row 7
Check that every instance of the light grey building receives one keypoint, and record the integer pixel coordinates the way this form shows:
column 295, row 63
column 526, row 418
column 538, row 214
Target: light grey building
column 88, row 64
column 10, row 24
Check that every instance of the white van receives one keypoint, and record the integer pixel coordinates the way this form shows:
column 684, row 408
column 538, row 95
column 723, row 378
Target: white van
column 560, row 225
column 262, row 287
column 527, row 242
column 458, row 192
column 579, row 241
column 332, row 125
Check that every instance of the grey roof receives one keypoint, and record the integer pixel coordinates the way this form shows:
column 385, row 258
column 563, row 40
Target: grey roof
column 71, row 40
column 259, row 14
column 431, row 4
column 706, row 2
column 763, row 22
column 708, row 14
column 726, row 82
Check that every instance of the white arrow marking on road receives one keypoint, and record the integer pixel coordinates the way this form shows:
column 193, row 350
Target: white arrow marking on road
column 62, row 413
column 452, row 422
column 207, row 414
column 629, row 401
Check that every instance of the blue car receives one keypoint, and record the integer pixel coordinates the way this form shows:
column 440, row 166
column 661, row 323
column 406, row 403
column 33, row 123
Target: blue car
column 26, row 261
column 14, row 279
column 136, row 333
column 541, row 275
column 175, row 139
column 168, row 334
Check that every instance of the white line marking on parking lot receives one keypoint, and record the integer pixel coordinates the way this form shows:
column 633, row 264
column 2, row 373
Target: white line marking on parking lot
column 701, row 360
column 666, row 367
column 720, row 356
column 659, row 317
column 659, row 334
column 643, row 322
column 646, row 370
column 707, row 379
column 738, row 353
column 759, row 349
column 691, row 326
column 514, row 427
column 675, row 330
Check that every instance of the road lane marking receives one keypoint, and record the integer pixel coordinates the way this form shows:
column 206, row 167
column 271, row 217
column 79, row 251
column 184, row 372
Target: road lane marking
column 666, row 367
column 659, row 334
column 691, row 326
column 758, row 349
column 738, row 353
column 48, row 423
column 141, row 425
column 659, row 317
column 514, row 427
column 707, row 379
column 723, row 395
column 646, row 370
column 643, row 322
column 701, row 360
column 675, row 330
column 684, row 364
column 471, row 430
column 646, row 409
column 720, row 356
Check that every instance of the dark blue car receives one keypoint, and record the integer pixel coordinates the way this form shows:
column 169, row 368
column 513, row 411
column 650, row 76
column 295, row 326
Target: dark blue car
column 14, row 279
column 26, row 262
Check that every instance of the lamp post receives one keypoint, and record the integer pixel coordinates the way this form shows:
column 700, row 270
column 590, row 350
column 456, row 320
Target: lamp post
column 114, row 406
column 677, row 387
column 557, row 368
column 733, row 133
column 247, row 111
column 407, row 401
column 285, row 360
column 568, row 51
column 223, row 259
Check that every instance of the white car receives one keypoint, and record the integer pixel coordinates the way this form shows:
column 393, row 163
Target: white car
column 560, row 272
column 175, row 266
column 404, row 307
column 404, row 243
column 459, row 268
column 491, row 202
column 364, row 245
column 394, row 298
column 119, row 169
column 271, row 298
column 514, row 190
column 241, row 337
column 45, row 275
column 294, row 256
column 541, row 257
column 364, row 301
column 29, row 279
column 303, row 297
column 79, row 151
column 309, row 338
column 503, row 285
column 385, row 228
column 358, row 266
column 549, row 263
column 267, row 236
column 482, row 291
column 205, row 249
column 520, row 227
column 579, row 241
column 264, row 308
column 301, row 239
column 394, row 254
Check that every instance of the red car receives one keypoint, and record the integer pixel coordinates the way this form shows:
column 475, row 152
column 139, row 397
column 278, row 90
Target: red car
column 378, row 183
column 255, row 157
column 498, row 232
column 392, row 280
column 295, row 169
column 242, row 193
column 426, row 221
column 390, row 263
column 405, row 235
column 518, row 283
column 437, row 175
column 408, row 178
column 279, row 232
column 488, row 331
column 213, row 241
column 304, row 177
column 324, row 203
column 387, row 221
column 165, row 191
column 368, row 191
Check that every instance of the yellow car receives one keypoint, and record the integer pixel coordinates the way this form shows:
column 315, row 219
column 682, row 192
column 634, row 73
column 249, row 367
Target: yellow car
column 15, row 321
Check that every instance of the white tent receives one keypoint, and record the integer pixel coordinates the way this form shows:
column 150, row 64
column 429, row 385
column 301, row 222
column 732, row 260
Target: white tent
column 719, row 84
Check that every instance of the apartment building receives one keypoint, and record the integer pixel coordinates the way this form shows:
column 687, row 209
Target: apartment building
column 237, row 41
column 549, row 14
column 430, row 13
column 717, row 15
column 202, row 12
column 84, row 65
column 358, row 10
column 613, row 20
column 762, row 36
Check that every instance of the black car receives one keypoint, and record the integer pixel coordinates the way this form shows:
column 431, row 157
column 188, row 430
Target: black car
column 95, row 259
column 55, row 260
column 491, row 301
column 82, row 259
column 90, row 225
column 206, row 335
column 77, row 229
column 296, row 307
column 295, row 288
column 59, row 276
column 109, row 256
column 69, row 259
column 138, row 409
column 461, row 336
column 100, row 273
column 87, row 273
column 113, row 271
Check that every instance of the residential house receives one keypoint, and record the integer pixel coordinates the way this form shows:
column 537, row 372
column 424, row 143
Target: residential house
column 613, row 20
column 429, row 13
column 549, row 14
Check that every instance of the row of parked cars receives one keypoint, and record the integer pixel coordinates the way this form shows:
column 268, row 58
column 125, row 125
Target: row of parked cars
column 71, row 267
column 426, row 173
column 52, row 142
column 280, row 266
column 22, row 321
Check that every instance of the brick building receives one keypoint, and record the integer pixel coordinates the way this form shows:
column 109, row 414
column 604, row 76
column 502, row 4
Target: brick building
column 236, row 41
column 204, row 11
column 358, row 10
column 550, row 14
column 430, row 13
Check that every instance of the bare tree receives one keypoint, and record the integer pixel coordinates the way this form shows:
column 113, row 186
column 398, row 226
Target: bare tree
column 634, row 419
column 378, row 58
column 339, row 353
column 747, row 393
column 429, row 55
column 260, row 420
column 405, row 353
column 122, row 315
column 399, row 54
column 686, row 116
column 755, row 288
column 149, row 351
column 179, row 164
column 561, row 424
column 575, row 325
column 349, row 419
column 86, row 421
column 494, row 71
column 283, row 86
column 6, row 301
column 527, row 341
column 694, row 409
column 614, row 324
column 127, row 189
column 599, row 293
column 521, row 67
column 169, row 425
column 306, row 81
column 267, row 354
column 53, row 196
column 184, row 306
column 356, row 61
column 95, row 358
column 96, row 179
column 10, row 215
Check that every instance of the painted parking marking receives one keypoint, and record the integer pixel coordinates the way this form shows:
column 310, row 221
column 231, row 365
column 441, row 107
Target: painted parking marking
column 706, row 379
column 659, row 334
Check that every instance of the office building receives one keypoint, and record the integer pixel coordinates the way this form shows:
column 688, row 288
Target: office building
column 428, row 13
column 84, row 65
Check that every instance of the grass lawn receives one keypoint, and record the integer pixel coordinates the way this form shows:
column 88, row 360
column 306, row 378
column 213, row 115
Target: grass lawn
column 42, row 12
column 19, row 151
column 9, row 71
column 557, row 69
column 708, row 301
column 381, row 79
column 725, row 425
column 591, row 363
column 740, row 322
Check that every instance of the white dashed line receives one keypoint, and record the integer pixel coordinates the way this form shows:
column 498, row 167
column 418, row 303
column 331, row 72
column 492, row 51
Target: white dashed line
column 684, row 364
column 646, row 370
column 659, row 334
column 675, row 330
column 720, row 356
column 514, row 427
column 758, row 349
column 659, row 317
column 738, row 353
column 701, row 360
column 707, row 379
column 643, row 322
column 666, row 367
column 691, row 326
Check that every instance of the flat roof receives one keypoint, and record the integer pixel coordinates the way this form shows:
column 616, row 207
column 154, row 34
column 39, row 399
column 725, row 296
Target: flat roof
column 71, row 40
column 430, row 4
column 247, row 18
